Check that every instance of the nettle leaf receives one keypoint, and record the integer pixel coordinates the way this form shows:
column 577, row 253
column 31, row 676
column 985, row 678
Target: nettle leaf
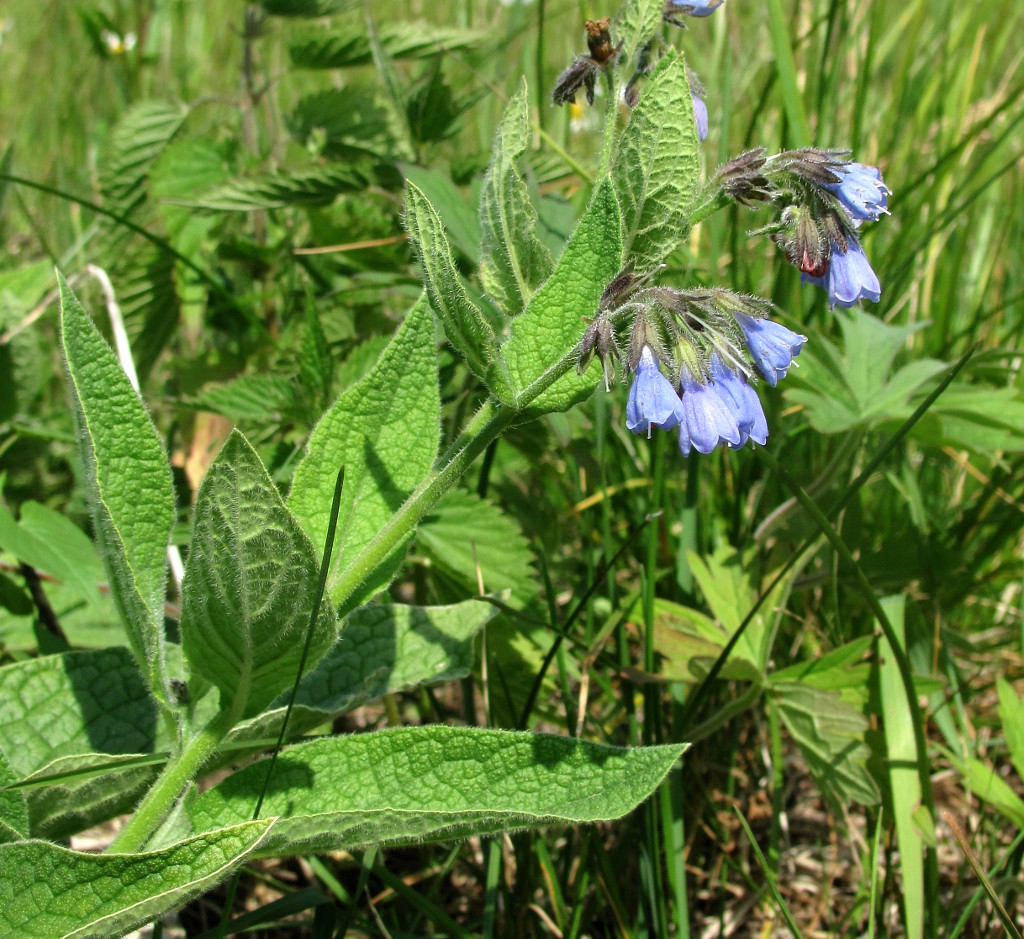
column 128, row 481
column 47, row 891
column 276, row 190
column 345, row 123
column 344, row 48
column 51, row 542
column 553, row 323
column 249, row 586
column 830, row 733
column 636, row 23
column 465, row 326
column 385, row 431
column 513, row 262
column 249, row 397
column 412, row 784
column 657, row 166
column 383, row 649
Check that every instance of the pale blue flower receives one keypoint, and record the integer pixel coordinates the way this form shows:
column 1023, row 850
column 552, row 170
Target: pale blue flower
column 693, row 7
column 653, row 401
column 742, row 400
column 772, row 346
column 849, row 277
column 861, row 191
column 700, row 115
column 707, row 418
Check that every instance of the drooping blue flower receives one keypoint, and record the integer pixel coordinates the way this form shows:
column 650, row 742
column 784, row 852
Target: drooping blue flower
column 707, row 418
column 653, row 401
column 772, row 346
column 849, row 277
column 693, row 7
column 861, row 191
column 742, row 400
column 700, row 115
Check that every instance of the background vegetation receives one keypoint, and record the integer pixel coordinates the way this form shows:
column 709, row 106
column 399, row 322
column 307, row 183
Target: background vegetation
column 268, row 151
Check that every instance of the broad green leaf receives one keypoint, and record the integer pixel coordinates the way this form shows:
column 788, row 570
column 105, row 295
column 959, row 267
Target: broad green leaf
column 463, row 533
column 344, row 124
column 458, row 218
column 13, row 807
column 1011, row 718
column 513, row 262
column 250, row 585
column 434, row 782
column 128, row 481
column 51, row 542
column 657, row 166
column 544, row 336
column 384, row 431
column 383, row 649
column 249, row 398
column 405, row 39
column 273, row 191
column 830, row 733
column 465, row 326
column 990, row 787
column 636, row 23
column 47, row 891
column 839, row 669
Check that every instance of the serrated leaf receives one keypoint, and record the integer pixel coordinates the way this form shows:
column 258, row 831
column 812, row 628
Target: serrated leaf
column 277, row 190
column 412, row 784
column 657, row 166
column 830, row 733
column 464, row 324
column 553, row 324
column 47, row 891
column 249, row 398
column 513, row 262
column 13, row 807
column 407, row 39
column 345, row 122
column 635, row 24
column 129, row 484
column 463, row 533
column 385, row 432
column 249, row 586
column 383, row 649
column 51, row 542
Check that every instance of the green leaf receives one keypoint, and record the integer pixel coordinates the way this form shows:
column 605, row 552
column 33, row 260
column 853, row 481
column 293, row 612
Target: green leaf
column 990, row 787
column 459, row 220
column 412, row 784
column 513, row 262
column 464, row 325
column 13, row 807
column 1011, row 718
column 830, row 733
column 383, row 649
column 657, row 166
column 307, row 9
column 51, row 542
column 344, row 124
column 553, row 323
column 128, row 481
column 249, row 398
column 635, row 24
column 275, row 190
column 406, row 39
column 249, row 586
column 385, row 432
column 47, row 891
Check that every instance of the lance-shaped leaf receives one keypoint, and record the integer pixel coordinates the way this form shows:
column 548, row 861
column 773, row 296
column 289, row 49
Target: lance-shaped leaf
column 513, row 262
column 464, row 324
column 250, row 585
column 384, row 430
column 434, row 782
column 553, row 324
column 657, row 166
column 47, row 891
column 635, row 24
column 128, row 481
column 383, row 649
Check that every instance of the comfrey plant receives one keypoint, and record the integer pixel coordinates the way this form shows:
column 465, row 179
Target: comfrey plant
column 275, row 639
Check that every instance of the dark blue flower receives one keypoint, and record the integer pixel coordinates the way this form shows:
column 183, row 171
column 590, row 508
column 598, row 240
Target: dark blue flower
column 700, row 115
column 772, row 346
column 861, row 191
column 707, row 418
column 693, row 7
column 653, row 401
column 849, row 277
column 742, row 400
